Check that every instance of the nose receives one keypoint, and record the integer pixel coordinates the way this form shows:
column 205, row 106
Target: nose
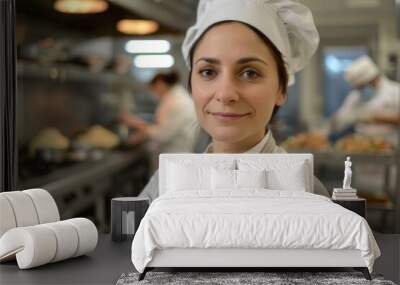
column 226, row 92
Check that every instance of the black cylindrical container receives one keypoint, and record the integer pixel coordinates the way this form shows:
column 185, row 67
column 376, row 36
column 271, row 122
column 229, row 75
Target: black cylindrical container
column 126, row 214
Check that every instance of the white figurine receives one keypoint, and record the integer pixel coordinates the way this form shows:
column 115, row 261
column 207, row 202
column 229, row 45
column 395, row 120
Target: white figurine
column 347, row 174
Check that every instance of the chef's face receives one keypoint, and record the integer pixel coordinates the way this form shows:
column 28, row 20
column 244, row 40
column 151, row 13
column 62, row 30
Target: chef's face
column 234, row 82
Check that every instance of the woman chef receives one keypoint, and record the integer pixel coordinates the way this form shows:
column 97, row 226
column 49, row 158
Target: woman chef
column 242, row 54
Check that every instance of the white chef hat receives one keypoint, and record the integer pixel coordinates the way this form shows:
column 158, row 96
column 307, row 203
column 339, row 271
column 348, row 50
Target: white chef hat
column 361, row 71
column 288, row 24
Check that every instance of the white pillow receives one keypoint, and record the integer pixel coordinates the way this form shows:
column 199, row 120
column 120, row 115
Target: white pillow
column 183, row 178
column 227, row 179
column 251, row 178
column 277, row 180
column 282, row 174
column 185, row 175
column 223, row 179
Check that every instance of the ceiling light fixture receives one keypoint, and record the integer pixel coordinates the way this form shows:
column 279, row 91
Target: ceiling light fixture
column 154, row 61
column 80, row 6
column 137, row 27
column 147, row 46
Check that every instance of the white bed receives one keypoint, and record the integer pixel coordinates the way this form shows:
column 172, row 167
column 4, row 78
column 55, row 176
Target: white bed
column 200, row 220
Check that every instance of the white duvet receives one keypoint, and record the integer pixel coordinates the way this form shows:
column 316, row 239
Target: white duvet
column 253, row 218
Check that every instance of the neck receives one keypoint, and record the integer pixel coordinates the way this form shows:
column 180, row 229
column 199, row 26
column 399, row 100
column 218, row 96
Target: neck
column 375, row 82
column 239, row 146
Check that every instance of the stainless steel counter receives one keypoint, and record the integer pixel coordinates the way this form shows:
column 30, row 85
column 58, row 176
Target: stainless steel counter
column 86, row 184
column 64, row 178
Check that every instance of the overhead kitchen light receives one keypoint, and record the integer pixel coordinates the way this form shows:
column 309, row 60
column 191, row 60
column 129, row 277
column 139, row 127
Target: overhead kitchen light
column 154, row 61
column 362, row 3
column 81, row 6
column 137, row 27
column 147, row 46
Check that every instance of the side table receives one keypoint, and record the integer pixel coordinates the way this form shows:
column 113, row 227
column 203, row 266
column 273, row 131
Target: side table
column 358, row 206
column 126, row 214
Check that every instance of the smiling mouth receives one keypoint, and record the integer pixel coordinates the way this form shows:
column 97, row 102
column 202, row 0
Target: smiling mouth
column 228, row 116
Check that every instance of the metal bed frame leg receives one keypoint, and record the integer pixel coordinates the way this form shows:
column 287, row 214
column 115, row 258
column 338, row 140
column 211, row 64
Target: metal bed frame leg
column 364, row 271
column 143, row 274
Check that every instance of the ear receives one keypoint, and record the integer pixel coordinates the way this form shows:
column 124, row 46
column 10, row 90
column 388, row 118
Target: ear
column 281, row 99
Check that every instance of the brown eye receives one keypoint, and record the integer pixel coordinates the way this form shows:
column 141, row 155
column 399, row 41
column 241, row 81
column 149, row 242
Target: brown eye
column 207, row 73
column 250, row 74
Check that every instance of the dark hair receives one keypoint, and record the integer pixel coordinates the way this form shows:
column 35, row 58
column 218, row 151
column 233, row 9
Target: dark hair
column 277, row 55
column 170, row 78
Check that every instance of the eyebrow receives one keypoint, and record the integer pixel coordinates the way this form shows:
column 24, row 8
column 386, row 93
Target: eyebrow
column 240, row 61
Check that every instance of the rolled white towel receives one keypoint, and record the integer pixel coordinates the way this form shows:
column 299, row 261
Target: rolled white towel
column 26, row 208
column 40, row 244
column 67, row 240
column 45, row 205
column 7, row 218
column 23, row 208
column 33, row 246
column 87, row 233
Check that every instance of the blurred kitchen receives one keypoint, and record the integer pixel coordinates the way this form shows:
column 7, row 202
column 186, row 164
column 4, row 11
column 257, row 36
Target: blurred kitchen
column 82, row 63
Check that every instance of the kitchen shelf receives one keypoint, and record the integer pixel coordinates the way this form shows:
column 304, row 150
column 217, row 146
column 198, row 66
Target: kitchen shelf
column 333, row 156
column 73, row 73
column 375, row 158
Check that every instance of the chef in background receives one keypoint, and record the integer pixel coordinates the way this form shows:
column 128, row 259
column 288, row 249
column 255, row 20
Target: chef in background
column 373, row 106
column 175, row 126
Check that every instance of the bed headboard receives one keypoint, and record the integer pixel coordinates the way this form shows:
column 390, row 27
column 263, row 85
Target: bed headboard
column 278, row 161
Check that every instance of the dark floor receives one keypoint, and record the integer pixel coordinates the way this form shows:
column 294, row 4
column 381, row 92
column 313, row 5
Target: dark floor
column 106, row 264
column 389, row 262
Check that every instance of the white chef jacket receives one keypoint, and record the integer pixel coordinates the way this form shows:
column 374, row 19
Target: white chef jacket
column 176, row 126
column 385, row 101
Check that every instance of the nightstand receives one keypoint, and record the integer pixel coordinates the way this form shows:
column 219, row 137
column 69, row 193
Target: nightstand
column 358, row 205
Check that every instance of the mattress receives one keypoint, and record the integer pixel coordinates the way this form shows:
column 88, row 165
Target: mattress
column 250, row 219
